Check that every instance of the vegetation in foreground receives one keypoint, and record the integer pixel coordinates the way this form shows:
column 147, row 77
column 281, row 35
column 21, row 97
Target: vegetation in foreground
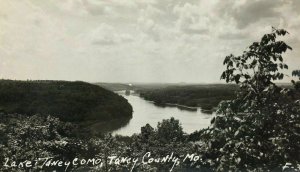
column 259, row 130
column 69, row 101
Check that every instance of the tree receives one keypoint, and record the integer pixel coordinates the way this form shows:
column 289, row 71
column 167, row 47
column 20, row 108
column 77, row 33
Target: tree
column 260, row 128
column 296, row 73
column 257, row 68
column 169, row 130
column 296, row 84
column 146, row 131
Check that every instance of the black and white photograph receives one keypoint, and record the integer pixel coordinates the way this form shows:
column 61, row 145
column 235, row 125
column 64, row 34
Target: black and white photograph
column 149, row 85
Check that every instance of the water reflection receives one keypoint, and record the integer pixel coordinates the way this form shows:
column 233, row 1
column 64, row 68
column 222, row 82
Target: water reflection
column 146, row 112
column 104, row 127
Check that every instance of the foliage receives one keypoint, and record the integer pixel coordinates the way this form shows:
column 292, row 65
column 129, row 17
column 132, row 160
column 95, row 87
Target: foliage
column 259, row 129
column 296, row 84
column 29, row 138
column 169, row 130
column 296, row 73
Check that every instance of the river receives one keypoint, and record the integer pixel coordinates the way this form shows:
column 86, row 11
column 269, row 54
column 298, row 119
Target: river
column 146, row 112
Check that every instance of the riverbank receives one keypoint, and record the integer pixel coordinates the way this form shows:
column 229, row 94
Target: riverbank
column 183, row 107
column 207, row 97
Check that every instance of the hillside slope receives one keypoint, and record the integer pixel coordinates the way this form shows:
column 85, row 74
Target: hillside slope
column 69, row 101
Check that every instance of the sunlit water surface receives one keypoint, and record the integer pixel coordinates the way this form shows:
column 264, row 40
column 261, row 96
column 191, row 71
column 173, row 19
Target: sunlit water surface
column 146, row 112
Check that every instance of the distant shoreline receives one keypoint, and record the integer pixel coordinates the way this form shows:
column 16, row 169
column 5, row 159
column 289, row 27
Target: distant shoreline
column 190, row 108
column 182, row 106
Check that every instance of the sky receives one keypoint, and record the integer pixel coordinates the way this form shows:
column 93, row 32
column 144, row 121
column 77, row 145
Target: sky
column 137, row 40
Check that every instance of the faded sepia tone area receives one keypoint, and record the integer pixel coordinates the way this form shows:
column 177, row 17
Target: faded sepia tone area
column 149, row 85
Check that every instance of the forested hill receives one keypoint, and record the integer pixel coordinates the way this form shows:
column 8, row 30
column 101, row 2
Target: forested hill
column 69, row 101
column 205, row 96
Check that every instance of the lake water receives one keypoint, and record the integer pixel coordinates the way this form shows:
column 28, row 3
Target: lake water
column 146, row 112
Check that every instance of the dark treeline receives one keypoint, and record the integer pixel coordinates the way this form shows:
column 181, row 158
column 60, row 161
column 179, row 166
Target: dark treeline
column 205, row 96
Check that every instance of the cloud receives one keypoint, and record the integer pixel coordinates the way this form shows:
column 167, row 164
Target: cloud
column 232, row 36
column 135, row 40
column 149, row 27
column 96, row 9
column 250, row 12
column 295, row 5
column 103, row 35
column 106, row 34
column 190, row 20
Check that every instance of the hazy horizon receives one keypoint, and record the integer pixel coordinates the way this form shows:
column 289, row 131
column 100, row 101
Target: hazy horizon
column 146, row 41
column 167, row 83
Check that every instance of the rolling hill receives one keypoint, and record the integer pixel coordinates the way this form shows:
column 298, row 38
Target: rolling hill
column 69, row 101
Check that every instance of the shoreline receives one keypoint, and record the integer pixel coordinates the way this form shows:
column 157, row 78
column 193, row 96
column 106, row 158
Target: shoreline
column 182, row 106
column 179, row 106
